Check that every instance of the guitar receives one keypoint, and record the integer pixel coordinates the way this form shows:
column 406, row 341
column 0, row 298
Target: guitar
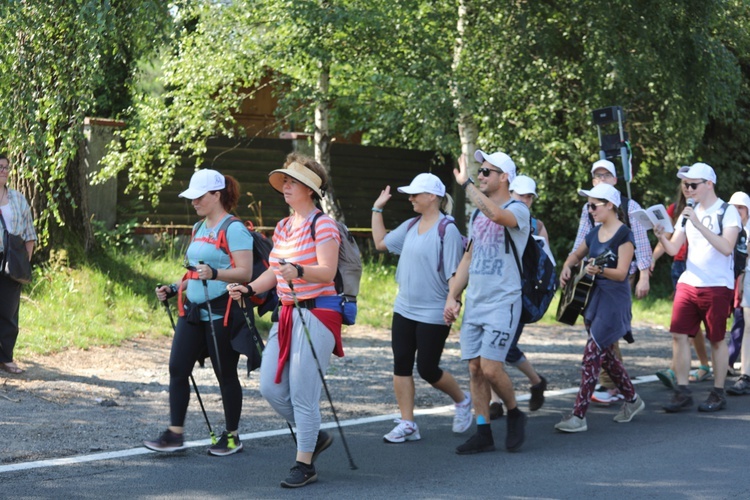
column 575, row 295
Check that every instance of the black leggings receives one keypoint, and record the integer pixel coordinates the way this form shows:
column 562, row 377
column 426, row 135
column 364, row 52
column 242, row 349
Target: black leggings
column 189, row 344
column 425, row 340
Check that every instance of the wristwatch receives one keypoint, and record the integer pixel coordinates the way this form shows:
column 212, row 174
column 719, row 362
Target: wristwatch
column 468, row 181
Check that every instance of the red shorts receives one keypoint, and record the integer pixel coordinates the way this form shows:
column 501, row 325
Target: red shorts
column 693, row 305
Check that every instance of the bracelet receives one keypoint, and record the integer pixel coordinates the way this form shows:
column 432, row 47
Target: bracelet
column 172, row 291
column 468, row 181
column 300, row 270
column 214, row 273
column 378, row 210
column 250, row 292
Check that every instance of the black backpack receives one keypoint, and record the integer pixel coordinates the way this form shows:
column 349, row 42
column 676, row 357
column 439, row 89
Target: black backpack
column 740, row 246
column 538, row 276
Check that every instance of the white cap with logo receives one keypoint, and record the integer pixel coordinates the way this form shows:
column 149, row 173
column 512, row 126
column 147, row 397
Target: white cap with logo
column 424, row 183
column 602, row 192
column 202, row 182
column 498, row 159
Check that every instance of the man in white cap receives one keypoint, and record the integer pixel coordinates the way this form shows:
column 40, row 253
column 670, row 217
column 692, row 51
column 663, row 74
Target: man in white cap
column 603, row 171
column 741, row 202
column 705, row 290
column 493, row 298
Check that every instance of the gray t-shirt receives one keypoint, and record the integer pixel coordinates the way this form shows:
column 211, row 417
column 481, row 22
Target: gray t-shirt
column 494, row 278
column 421, row 289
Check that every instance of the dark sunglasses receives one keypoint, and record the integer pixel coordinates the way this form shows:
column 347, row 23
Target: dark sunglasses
column 593, row 206
column 692, row 185
column 486, row 171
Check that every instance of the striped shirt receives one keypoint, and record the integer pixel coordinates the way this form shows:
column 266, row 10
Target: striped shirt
column 17, row 215
column 295, row 245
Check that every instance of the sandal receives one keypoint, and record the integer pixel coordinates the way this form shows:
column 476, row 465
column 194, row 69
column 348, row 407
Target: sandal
column 11, row 368
column 699, row 375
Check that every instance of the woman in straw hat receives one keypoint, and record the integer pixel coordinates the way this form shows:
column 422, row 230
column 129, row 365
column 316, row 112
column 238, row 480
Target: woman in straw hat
column 302, row 269
column 427, row 260
column 607, row 315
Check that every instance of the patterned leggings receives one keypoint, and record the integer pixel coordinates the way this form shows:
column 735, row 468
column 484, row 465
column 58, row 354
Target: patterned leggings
column 594, row 359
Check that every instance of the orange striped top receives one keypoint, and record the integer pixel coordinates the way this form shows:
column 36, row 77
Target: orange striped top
column 295, row 245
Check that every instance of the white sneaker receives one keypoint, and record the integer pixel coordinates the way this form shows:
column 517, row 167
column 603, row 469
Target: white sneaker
column 606, row 396
column 629, row 410
column 404, row 431
column 572, row 424
column 462, row 419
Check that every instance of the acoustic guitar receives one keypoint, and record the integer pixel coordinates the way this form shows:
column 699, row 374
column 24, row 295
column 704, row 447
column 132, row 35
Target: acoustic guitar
column 575, row 295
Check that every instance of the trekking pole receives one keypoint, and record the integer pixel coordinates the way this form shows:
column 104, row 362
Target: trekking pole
column 165, row 302
column 213, row 329
column 322, row 378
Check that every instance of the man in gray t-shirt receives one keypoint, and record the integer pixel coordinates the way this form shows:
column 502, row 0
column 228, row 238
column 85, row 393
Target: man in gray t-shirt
column 493, row 298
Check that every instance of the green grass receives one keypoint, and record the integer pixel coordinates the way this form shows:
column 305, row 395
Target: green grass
column 110, row 298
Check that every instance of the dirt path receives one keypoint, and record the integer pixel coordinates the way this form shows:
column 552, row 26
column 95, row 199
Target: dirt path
column 104, row 399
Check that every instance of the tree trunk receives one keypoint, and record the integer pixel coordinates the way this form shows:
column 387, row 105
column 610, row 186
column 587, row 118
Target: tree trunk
column 468, row 131
column 323, row 143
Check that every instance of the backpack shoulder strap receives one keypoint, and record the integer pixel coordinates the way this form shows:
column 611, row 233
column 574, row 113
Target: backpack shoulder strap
column 720, row 217
column 314, row 221
column 413, row 221
column 624, row 202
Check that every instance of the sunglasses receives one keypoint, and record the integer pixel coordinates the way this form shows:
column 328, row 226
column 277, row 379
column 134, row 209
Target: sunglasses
column 601, row 177
column 593, row 206
column 486, row 171
column 692, row 185
column 5, row 168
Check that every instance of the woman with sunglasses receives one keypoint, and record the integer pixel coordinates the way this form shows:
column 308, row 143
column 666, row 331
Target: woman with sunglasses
column 16, row 218
column 198, row 332
column 607, row 315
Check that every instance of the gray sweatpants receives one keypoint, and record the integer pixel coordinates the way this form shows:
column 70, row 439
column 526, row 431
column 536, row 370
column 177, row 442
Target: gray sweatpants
column 297, row 397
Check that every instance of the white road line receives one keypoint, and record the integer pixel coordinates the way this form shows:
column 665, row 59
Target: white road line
column 95, row 457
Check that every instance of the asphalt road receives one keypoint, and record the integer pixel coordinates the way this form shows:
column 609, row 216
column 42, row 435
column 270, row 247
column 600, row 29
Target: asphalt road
column 686, row 455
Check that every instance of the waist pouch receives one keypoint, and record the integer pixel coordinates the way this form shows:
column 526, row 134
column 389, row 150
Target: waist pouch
column 193, row 309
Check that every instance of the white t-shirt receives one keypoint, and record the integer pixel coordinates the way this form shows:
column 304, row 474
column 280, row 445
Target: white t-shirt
column 706, row 266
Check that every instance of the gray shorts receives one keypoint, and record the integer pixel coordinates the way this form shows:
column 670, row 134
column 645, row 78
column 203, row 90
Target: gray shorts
column 490, row 337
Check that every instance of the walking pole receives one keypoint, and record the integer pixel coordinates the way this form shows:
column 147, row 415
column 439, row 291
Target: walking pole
column 192, row 379
column 322, row 378
column 213, row 329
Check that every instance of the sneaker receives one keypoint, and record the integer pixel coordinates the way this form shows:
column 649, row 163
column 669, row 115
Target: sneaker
column 404, row 431
column 537, row 394
column 300, row 475
column 227, row 445
column 168, row 442
column 716, row 401
column 462, row 419
column 742, row 386
column 629, row 410
column 516, row 433
column 681, row 399
column 477, row 443
column 572, row 423
column 496, row 410
column 323, row 443
column 605, row 396
column 667, row 378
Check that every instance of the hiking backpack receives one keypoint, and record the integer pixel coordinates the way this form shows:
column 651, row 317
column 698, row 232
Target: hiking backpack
column 442, row 225
column 538, row 276
column 266, row 301
column 740, row 246
column 348, row 272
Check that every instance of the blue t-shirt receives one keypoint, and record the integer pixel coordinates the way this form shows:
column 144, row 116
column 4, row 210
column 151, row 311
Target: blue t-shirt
column 238, row 238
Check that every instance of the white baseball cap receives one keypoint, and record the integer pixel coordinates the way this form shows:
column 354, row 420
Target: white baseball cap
column 202, row 182
column 605, row 164
column 698, row 171
column 523, row 184
column 498, row 159
column 602, row 191
column 740, row 198
column 424, row 183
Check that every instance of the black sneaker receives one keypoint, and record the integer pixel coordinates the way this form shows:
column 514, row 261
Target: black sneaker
column 477, row 444
column 681, row 399
column 227, row 445
column 716, row 401
column 300, row 475
column 168, row 442
column 537, row 394
column 742, row 386
column 323, row 443
column 496, row 410
column 516, row 433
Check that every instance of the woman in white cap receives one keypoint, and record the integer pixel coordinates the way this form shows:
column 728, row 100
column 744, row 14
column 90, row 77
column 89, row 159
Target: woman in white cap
column 608, row 312
column 210, row 268
column 741, row 322
column 429, row 248
column 302, row 268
